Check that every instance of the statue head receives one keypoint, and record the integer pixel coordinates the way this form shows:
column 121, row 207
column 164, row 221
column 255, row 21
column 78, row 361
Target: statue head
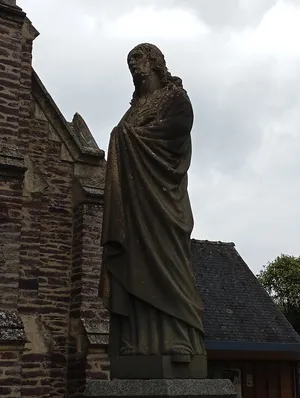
column 139, row 63
column 146, row 59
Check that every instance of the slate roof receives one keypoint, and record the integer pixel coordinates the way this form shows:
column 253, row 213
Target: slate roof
column 236, row 307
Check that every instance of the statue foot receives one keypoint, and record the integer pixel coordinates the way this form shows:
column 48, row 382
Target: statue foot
column 180, row 355
column 126, row 351
column 179, row 351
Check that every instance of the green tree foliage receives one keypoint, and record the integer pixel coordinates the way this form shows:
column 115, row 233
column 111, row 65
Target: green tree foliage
column 281, row 279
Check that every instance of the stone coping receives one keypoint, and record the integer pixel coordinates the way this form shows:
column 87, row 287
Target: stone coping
column 205, row 388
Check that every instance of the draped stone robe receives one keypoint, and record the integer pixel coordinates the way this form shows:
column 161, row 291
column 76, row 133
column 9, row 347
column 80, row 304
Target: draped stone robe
column 155, row 308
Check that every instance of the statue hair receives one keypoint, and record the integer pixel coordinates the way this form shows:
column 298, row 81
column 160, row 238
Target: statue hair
column 158, row 64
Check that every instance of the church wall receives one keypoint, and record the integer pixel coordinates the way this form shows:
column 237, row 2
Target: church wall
column 50, row 256
column 13, row 108
column 46, row 259
column 89, row 318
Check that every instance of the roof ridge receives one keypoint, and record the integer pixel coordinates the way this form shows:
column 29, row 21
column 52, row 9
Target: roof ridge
column 213, row 242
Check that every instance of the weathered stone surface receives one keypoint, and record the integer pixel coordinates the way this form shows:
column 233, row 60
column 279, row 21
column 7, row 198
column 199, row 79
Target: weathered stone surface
column 10, row 158
column 10, row 374
column 10, row 335
column 85, row 139
column 94, row 326
column 158, row 367
column 10, row 319
column 160, row 388
column 99, row 340
column 9, row 2
column 46, row 271
column 154, row 304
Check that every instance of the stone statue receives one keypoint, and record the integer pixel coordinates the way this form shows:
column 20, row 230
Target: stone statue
column 147, row 221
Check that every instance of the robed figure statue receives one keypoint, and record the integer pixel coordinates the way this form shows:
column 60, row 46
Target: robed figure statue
column 147, row 220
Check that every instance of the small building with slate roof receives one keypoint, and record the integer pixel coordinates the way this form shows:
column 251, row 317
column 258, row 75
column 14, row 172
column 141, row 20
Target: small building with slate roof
column 246, row 336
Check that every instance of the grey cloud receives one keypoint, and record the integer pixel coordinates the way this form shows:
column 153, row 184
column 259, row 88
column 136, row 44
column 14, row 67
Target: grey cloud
column 116, row 7
column 229, row 13
column 236, row 101
column 216, row 13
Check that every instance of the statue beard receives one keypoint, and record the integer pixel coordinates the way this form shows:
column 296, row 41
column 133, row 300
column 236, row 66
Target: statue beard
column 139, row 79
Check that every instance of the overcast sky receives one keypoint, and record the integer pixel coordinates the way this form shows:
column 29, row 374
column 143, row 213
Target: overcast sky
column 240, row 63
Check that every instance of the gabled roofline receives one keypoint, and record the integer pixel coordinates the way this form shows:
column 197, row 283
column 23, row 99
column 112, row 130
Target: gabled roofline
column 215, row 257
column 227, row 345
column 78, row 138
column 212, row 242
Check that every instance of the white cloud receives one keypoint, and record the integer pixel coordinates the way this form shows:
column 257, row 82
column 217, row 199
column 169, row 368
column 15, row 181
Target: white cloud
column 276, row 35
column 153, row 22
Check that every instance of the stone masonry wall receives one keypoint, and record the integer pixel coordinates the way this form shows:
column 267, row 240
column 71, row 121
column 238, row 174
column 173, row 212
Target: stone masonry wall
column 89, row 318
column 46, row 259
column 53, row 325
column 11, row 183
column 10, row 375
column 94, row 315
column 10, row 217
column 11, row 24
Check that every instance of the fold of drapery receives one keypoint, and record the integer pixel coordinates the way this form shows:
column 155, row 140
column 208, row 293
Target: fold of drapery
column 147, row 218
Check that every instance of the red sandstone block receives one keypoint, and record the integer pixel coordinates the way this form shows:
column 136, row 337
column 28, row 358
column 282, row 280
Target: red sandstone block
column 9, row 355
column 8, row 96
column 31, row 365
column 4, row 30
column 13, row 372
column 7, row 364
column 13, row 26
column 5, row 391
column 35, row 358
column 10, row 381
column 34, row 373
column 8, row 84
column 54, row 310
column 11, row 44
column 36, row 391
column 14, row 63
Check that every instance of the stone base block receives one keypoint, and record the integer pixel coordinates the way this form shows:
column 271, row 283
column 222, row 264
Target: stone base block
column 161, row 388
column 158, row 367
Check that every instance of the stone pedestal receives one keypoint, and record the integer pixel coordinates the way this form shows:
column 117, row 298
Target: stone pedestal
column 160, row 388
column 158, row 367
